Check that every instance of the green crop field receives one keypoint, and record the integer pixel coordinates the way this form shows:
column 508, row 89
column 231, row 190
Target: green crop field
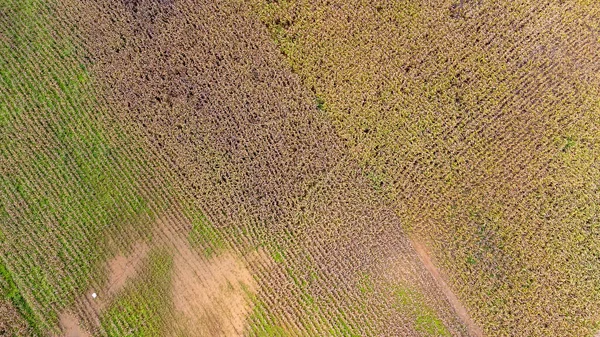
column 70, row 178
column 299, row 168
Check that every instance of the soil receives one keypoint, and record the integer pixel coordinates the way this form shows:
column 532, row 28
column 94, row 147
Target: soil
column 70, row 326
column 211, row 298
column 123, row 268
column 209, row 295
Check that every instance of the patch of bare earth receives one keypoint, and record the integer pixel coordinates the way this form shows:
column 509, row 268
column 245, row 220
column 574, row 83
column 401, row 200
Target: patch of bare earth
column 473, row 329
column 210, row 300
column 209, row 294
column 69, row 325
column 123, row 268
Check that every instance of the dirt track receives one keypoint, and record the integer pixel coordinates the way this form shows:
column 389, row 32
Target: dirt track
column 461, row 311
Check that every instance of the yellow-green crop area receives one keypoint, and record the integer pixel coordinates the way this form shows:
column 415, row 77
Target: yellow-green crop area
column 480, row 121
column 187, row 168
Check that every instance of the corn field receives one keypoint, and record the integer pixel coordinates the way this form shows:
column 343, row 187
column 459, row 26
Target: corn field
column 299, row 168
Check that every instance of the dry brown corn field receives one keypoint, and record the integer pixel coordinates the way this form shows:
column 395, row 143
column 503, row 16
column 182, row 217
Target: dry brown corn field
column 299, row 168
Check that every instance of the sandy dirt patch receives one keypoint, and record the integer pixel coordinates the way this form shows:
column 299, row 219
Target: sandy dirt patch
column 209, row 294
column 122, row 268
column 69, row 324
column 211, row 300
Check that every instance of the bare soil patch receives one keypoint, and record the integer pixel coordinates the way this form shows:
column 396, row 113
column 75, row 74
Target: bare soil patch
column 209, row 294
column 123, row 268
column 211, row 299
column 69, row 325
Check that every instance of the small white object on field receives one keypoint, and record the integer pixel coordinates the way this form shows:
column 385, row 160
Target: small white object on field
column 94, row 295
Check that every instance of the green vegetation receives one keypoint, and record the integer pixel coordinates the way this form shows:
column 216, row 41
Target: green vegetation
column 271, row 331
column 264, row 324
column 66, row 179
column 204, row 235
column 569, row 142
column 10, row 292
column 266, row 330
column 142, row 310
column 278, row 255
column 377, row 180
column 342, row 329
column 430, row 325
column 365, row 284
column 320, row 103
column 261, row 324
column 425, row 318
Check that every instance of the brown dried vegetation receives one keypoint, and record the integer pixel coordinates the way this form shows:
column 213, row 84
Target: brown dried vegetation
column 12, row 323
column 203, row 84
